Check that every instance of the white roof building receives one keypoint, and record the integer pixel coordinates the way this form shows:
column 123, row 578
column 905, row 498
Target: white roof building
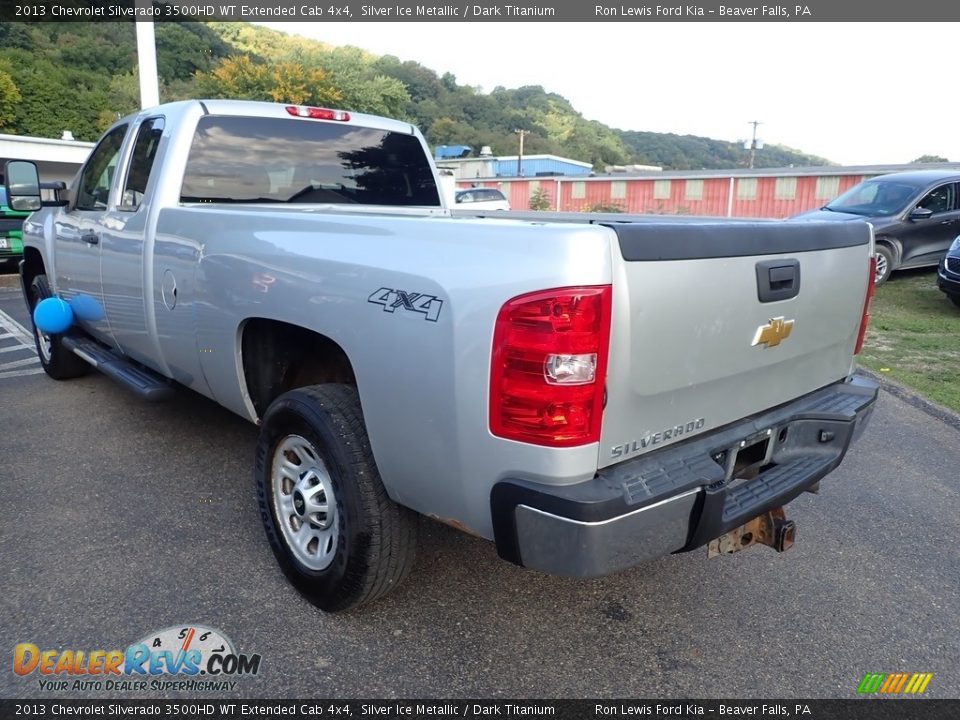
column 56, row 159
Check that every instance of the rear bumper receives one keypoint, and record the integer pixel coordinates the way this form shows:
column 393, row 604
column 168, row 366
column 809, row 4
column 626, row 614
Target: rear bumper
column 679, row 498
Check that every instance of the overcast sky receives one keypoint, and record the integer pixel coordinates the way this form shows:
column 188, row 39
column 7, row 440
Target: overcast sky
column 854, row 93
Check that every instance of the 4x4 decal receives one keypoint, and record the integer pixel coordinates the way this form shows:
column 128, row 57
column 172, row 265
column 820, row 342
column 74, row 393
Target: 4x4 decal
column 427, row 305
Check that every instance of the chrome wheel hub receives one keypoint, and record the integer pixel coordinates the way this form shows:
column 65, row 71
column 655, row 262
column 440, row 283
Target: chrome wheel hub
column 881, row 268
column 304, row 502
column 43, row 342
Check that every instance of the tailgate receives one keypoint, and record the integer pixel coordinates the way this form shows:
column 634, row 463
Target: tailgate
column 698, row 338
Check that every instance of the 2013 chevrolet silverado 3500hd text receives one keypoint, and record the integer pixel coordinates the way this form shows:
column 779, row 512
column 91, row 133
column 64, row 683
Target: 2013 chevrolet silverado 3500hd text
column 587, row 391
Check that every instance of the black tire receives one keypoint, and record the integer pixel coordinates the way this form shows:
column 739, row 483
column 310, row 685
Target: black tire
column 375, row 539
column 57, row 361
column 955, row 299
column 885, row 264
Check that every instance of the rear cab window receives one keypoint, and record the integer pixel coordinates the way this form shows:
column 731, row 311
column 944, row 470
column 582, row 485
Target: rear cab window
column 279, row 160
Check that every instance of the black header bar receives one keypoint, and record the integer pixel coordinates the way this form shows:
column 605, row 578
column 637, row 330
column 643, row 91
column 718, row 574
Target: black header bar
column 599, row 11
column 861, row 709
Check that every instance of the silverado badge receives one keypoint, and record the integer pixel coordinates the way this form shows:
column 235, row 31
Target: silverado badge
column 773, row 333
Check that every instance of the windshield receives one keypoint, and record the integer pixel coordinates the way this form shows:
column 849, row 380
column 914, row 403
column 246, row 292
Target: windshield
column 873, row 198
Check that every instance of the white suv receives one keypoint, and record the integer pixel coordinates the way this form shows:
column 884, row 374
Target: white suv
column 482, row 199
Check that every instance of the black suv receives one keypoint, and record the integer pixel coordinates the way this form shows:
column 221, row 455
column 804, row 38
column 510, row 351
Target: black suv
column 948, row 276
column 915, row 216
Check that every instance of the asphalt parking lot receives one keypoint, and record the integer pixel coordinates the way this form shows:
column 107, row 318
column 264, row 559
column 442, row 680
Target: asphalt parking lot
column 120, row 518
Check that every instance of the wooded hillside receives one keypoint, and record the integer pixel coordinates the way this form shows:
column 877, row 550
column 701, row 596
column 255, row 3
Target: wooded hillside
column 80, row 76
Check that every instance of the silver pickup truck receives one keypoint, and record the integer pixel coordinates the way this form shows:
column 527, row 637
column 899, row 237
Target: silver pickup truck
column 587, row 391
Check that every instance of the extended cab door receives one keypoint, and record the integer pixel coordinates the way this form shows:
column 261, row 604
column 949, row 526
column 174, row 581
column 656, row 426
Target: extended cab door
column 78, row 233
column 124, row 262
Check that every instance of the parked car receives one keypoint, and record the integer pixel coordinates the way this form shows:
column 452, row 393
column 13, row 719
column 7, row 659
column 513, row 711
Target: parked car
column 482, row 199
column 915, row 216
column 948, row 275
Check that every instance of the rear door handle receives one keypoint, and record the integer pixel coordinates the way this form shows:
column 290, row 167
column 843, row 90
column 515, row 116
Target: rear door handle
column 90, row 238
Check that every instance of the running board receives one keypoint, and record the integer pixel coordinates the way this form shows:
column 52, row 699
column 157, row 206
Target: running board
column 146, row 384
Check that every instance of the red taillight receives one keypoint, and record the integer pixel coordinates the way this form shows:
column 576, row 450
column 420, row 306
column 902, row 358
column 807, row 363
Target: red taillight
column 316, row 113
column 865, row 317
column 549, row 366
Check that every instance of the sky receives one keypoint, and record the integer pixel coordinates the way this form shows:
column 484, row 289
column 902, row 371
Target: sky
column 854, row 93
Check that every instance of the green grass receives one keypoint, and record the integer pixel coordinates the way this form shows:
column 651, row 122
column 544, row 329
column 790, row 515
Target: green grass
column 914, row 337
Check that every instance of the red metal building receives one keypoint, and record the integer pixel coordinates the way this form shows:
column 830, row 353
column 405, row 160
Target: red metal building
column 767, row 193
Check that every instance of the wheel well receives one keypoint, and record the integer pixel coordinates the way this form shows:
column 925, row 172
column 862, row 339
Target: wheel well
column 893, row 246
column 278, row 357
column 32, row 265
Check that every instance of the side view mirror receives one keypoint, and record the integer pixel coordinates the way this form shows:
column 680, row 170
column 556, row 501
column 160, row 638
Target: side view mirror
column 920, row 213
column 22, row 185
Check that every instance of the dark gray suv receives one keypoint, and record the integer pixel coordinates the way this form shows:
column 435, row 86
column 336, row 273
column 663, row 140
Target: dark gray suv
column 915, row 216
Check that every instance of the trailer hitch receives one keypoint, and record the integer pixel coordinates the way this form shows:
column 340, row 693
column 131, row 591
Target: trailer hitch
column 771, row 529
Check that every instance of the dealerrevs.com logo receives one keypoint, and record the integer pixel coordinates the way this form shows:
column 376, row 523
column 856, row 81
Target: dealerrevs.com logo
column 180, row 658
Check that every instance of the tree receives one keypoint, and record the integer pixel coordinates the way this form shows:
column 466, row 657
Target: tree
column 184, row 49
column 540, row 200
column 361, row 87
column 15, row 35
column 123, row 98
column 241, row 78
column 421, row 83
column 42, row 86
column 930, row 159
column 449, row 81
column 447, row 131
column 9, row 98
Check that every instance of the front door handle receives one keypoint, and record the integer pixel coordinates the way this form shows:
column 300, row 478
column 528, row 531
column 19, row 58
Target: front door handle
column 90, row 238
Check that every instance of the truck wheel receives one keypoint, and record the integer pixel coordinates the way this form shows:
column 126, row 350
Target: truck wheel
column 885, row 263
column 58, row 362
column 955, row 299
column 337, row 536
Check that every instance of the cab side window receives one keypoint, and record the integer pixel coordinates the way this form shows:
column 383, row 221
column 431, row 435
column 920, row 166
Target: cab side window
column 141, row 163
column 93, row 189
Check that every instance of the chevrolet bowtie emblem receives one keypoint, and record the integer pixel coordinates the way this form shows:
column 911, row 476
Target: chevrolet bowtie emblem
column 773, row 333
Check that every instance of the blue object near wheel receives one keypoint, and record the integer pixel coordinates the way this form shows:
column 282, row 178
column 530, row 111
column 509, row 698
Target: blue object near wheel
column 53, row 316
column 86, row 308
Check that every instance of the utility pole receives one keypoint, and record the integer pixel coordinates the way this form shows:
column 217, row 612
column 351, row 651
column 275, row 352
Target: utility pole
column 147, row 58
column 521, row 133
column 754, row 144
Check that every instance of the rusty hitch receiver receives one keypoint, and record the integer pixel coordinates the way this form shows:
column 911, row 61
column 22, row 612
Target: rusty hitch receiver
column 772, row 528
